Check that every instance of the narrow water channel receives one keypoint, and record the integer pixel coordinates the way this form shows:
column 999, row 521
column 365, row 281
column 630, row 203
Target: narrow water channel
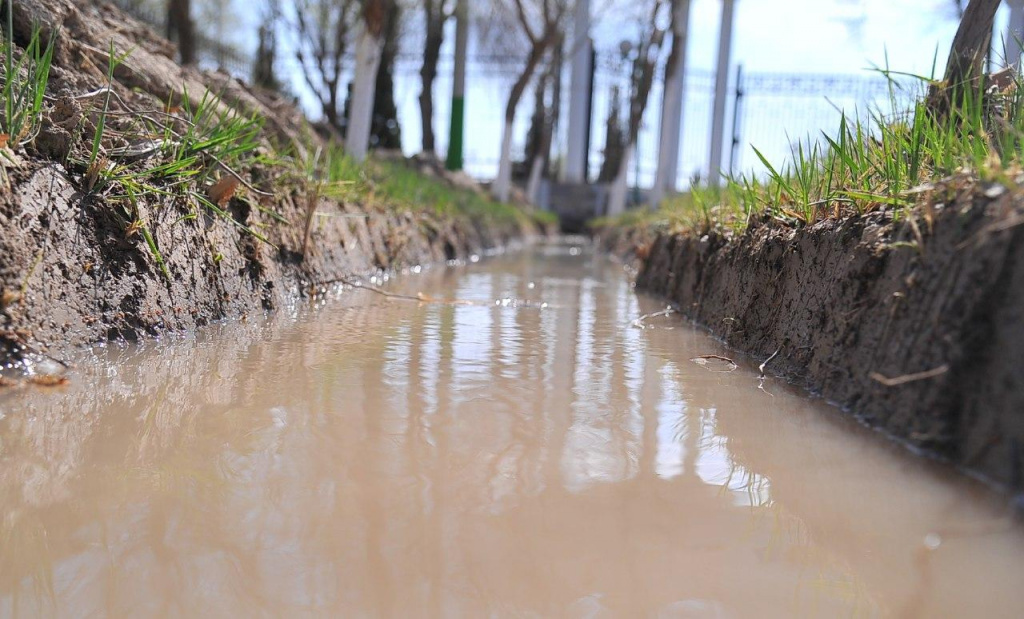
column 524, row 451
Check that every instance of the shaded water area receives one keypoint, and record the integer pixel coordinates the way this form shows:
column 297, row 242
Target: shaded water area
column 529, row 454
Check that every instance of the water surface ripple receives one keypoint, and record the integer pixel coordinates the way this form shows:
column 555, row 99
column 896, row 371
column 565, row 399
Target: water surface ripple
column 527, row 454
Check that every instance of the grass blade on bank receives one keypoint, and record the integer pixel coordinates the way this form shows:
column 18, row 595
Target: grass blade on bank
column 874, row 162
column 24, row 83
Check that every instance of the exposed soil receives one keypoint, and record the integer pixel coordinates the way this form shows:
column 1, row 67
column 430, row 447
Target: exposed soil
column 915, row 325
column 70, row 271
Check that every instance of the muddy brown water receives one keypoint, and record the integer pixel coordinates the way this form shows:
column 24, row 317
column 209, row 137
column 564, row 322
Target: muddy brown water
column 530, row 454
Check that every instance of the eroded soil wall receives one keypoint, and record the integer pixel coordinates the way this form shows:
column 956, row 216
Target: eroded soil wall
column 77, row 277
column 915, row 326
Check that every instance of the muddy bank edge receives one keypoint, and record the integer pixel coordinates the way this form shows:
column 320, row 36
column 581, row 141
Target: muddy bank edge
column 916, row 326
column 71, row 278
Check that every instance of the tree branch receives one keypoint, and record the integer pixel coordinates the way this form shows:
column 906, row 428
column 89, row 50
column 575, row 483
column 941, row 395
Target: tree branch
column 525, row 22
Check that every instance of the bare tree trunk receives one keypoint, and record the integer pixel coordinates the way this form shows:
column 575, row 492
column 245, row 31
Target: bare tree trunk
column 503, row 183
column 502, row 187
column 672, row 105
column 181, row 29
column 385, row 128
column 535, row 134
column 551, row 33
column 617, row 197
column 614, row 140
column 434, row 11
column 330, row 108
column 263, row 73
column 967, row 56
column 534, row 178
column 357, row 137
column 619, row 186
column 643, row 78
column 321, row 31
column 368, row 55
column 543, row 154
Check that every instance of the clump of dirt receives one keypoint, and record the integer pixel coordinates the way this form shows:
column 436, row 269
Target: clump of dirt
column 915, row 323
column 82, row 261
column 630, row 243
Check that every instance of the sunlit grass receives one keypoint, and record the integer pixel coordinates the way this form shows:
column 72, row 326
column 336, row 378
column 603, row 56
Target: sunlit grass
column 192, row 150
column 395, row 185
column 404, row 188
column 886, row 160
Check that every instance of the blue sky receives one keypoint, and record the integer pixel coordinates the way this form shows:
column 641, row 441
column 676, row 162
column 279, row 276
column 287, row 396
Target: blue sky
column 827, row 36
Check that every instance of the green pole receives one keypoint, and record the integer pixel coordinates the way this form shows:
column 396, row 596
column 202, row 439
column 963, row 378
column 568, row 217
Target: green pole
column 454, row 161
column 455, row 135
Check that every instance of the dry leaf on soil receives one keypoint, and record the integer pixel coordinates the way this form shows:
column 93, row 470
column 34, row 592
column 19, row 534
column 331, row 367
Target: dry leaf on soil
column 221, row 191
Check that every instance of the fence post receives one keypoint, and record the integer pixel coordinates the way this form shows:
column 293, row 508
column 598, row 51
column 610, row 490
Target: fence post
column 591, row 78
column 454, row 159
column 737, row 114
column 579, row 119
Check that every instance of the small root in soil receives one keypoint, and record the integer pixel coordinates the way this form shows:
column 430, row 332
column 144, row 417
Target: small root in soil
column 909, row 378
column 761, row 367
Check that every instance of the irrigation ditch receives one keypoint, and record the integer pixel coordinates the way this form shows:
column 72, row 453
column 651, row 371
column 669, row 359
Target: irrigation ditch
column 128, row 208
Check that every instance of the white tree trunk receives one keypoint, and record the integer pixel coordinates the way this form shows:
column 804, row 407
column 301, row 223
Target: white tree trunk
column 503, row 183
column 668, row 150
column 368, row 53
column 617, row 192
column 533, row 184
column 721, row 93
column 672, row 108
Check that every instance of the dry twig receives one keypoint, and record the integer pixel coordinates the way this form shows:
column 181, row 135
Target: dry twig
column 702, row 360
column 639, row 322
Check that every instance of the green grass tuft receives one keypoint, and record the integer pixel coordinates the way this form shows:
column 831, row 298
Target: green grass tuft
column 24, row 84
column 404, row 188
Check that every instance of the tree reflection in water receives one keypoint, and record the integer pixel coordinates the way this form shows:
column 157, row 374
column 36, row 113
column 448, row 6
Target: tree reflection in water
column 387, row 457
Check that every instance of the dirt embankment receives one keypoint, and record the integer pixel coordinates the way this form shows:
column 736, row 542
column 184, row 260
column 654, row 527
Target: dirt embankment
column 74, row 267
column 915, row 325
